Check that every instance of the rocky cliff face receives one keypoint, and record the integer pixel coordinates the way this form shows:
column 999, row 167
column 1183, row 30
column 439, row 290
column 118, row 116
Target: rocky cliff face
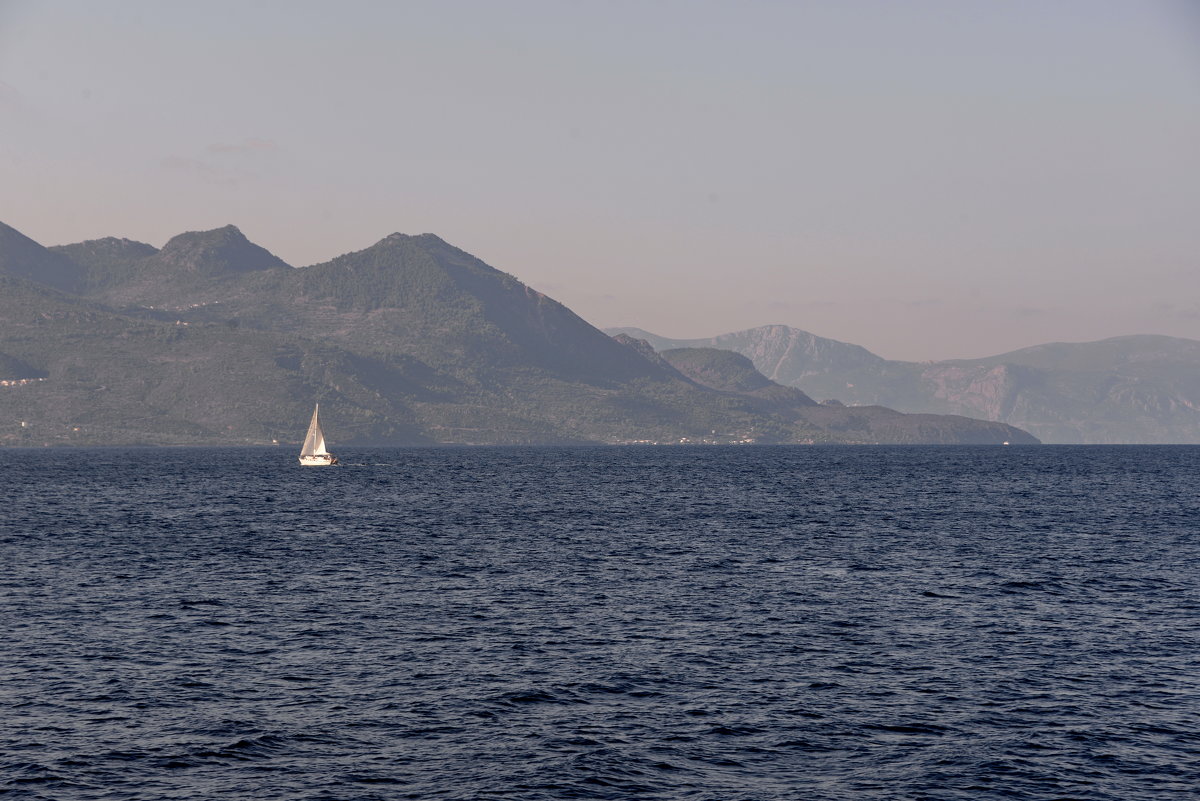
column 992, row 392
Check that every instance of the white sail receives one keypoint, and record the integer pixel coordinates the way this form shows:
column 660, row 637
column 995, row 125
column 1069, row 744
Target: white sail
column 314, row 442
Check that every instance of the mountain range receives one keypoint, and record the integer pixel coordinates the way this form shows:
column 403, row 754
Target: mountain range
column 213, row 340
column 1131, row 389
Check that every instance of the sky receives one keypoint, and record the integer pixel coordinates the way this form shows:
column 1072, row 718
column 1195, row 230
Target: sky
column 929, row 179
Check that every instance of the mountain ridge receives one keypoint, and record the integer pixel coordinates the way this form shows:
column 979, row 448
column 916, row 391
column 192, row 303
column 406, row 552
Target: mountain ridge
column 213, row 340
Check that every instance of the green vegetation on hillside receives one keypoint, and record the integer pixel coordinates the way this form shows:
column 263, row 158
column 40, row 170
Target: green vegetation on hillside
column 213, row 340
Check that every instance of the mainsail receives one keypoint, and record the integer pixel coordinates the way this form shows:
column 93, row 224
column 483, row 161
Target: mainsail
column 314, row 442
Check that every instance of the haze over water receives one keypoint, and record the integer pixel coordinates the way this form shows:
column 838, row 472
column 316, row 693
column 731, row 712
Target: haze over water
column 611, row 623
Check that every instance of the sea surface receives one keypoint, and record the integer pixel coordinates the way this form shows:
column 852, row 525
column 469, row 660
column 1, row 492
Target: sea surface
column 724, row 624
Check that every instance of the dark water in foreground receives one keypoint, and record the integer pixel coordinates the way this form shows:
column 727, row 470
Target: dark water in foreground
column 709, row 623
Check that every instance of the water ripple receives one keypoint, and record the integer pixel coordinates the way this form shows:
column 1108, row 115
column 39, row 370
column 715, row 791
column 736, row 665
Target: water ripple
column 714, row 624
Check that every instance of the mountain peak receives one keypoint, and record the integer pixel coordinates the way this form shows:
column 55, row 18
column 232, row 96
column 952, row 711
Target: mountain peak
column 225, row 235
column 718, row 369
column 423, row 239
column 220, row 251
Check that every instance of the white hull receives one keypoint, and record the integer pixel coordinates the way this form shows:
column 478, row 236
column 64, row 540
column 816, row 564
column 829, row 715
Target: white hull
column 318, row 460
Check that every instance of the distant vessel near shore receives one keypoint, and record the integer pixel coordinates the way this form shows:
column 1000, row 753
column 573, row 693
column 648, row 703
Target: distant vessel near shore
column 313, row 451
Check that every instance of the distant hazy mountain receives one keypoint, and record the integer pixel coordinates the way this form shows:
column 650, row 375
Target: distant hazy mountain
column 733, row 374
column 213, row 340
column 1133, row 389
column 782, row 354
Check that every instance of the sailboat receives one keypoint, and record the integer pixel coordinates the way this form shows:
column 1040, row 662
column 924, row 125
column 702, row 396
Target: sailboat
column 313, row 452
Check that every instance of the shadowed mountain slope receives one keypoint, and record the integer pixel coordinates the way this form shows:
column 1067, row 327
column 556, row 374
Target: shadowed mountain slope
column 21, row 257
column 428, row 298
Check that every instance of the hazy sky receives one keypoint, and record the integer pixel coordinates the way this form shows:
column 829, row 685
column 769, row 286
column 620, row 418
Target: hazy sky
column 928, row 179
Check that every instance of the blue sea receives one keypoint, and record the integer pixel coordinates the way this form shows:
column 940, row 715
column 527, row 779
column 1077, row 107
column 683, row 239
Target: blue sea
column 718, row 624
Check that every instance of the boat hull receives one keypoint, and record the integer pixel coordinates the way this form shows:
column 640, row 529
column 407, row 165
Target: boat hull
column 317, row 461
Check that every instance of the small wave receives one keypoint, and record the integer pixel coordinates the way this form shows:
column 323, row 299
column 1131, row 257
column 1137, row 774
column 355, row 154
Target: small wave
column 247, row 748
column 536, row 697
column 603, row 689
column 805, row 713
column 908, row 728
column 734, row 731
column 37, row 779
column 804, row 745
column 1013, row 587
column 372, row 779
